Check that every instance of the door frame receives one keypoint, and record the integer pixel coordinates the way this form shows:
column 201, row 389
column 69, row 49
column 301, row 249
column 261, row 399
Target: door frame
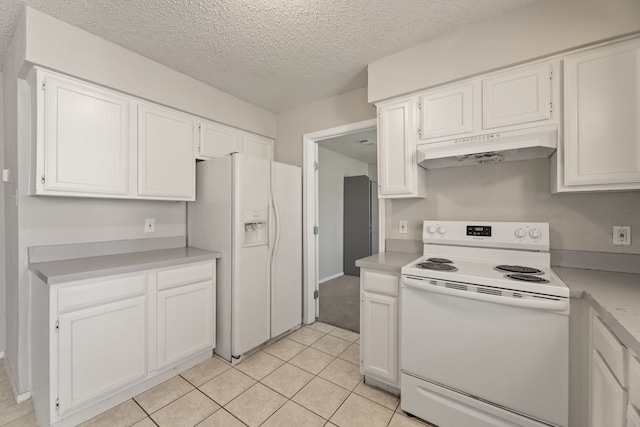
column 310, row 211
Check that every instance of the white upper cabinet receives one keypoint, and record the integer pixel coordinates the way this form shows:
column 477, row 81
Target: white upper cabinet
column 517, row 96
column 95, row 142
column 217, row 140
column 256, row 145
column 83, row 138
column 166, row 167
column 601, row 111
column 397, row 167
column 508, row 100
column 446, row 112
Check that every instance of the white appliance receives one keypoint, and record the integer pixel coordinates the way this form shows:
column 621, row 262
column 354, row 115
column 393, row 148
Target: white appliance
column 485, row 327
column 250, row 210
column 531, row 143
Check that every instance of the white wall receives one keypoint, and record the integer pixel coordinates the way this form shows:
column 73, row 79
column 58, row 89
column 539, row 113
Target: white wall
column 540, row 29
column 347, row 108
column 3, row 321
column 38, row 221
column 333, row 167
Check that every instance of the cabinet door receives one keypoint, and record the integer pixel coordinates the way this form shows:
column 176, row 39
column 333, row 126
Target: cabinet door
column 166, row 168
column 602, row 112
column 446, row 112
column 608, row 398
column 258, row 146
column 101, row 350
column 86, row 138
column 397, row 167
column 379, row 337
column 633, row 418
column 517, row 96
column 186, row 322
column 218, row 140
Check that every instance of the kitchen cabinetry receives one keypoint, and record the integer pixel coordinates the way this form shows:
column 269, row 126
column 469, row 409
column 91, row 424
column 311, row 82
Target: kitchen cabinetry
column 399, row 175
column 507, row 100
column 165, row 153
column 379, row 328
column 601, row 148
column 186, row 308
column 608, row 394
column 217, row 140
column 83, row 138
column 94, row 142
column 98, row 342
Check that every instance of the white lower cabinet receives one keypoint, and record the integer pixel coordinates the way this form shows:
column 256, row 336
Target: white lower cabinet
column 608, row 377
column 99, row 342
column 102, row 349
column 379, row 329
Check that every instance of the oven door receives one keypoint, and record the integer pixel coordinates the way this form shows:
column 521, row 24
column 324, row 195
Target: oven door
column 509, row 350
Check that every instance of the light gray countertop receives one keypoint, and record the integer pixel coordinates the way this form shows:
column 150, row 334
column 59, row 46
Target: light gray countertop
column 53, row 272
column 387, row 261
column 615, row 296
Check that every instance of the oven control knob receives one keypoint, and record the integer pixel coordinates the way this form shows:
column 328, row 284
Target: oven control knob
column 442, row 229
column 520, row 232
column 535, row 233
column 431, row 229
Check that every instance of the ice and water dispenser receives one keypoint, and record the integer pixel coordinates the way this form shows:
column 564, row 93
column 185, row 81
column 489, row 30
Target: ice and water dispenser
column 255, row 227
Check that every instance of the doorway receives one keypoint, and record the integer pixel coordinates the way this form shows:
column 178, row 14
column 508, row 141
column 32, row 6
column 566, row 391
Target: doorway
column 330, row 156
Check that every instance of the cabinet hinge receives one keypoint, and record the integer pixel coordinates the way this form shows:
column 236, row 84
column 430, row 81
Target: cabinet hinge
column 419, row 105
column 315, row 230
column 316, row 295
column 44, row 85
column 57, row 326
column 551, row 107
column 42, row 179
column 419, row 132
column 57, row 404
column 199, row 127
column 315, row 166
column 550, row 72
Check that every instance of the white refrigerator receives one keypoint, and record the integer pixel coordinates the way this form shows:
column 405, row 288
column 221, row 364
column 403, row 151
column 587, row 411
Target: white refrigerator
column 250, row 210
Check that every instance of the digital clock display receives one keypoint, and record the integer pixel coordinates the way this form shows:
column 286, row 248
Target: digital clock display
column 479, row 230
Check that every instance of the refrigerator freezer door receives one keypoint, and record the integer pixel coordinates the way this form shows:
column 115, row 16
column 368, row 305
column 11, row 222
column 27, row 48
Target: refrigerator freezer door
column 250, row 273
column 286, row 265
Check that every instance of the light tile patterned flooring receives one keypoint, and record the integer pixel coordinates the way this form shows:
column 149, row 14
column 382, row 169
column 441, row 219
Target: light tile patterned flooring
column 309, row 378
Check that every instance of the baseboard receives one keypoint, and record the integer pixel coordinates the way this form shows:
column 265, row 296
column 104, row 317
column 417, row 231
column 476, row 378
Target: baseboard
column 20, row 397
column 335, row 276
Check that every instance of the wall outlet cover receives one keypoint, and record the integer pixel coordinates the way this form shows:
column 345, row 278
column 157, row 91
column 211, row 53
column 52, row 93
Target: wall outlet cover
column 622, row 235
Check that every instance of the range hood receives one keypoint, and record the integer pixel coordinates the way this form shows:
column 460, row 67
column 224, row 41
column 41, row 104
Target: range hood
column 521, row 144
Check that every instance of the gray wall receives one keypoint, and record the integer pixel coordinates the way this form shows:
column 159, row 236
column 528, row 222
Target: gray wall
column 38, row 221
column 333, row 167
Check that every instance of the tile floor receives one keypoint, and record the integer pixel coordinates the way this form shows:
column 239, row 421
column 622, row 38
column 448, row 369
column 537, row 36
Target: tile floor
column 310, row 378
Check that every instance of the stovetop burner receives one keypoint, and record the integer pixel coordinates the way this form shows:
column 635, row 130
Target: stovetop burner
column 440, row 266
column 527, row 278
column 440, row 260
column 518, row 269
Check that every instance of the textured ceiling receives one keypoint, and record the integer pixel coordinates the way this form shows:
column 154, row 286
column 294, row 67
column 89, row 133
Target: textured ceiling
column 361, row 146
column 277, row 54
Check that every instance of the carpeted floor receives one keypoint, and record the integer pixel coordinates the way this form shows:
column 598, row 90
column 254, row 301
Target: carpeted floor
column 340, row 303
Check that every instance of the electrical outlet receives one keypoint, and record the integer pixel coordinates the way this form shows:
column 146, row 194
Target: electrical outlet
column 403, row 226
column 622, row 235
column 149, row 225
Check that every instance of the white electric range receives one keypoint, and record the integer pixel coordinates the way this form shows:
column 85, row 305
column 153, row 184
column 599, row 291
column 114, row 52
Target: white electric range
column 485, row 327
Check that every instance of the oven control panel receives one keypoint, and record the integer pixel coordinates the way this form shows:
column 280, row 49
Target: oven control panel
column 508, row 235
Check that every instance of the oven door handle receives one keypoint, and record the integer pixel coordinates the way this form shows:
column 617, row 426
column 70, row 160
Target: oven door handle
column 551, row 305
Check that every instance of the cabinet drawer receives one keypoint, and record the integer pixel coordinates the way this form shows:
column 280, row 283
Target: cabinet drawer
column 81, row 296
column 612, row 351
column 183, row 275
column 634, row 380
column 382, row 283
